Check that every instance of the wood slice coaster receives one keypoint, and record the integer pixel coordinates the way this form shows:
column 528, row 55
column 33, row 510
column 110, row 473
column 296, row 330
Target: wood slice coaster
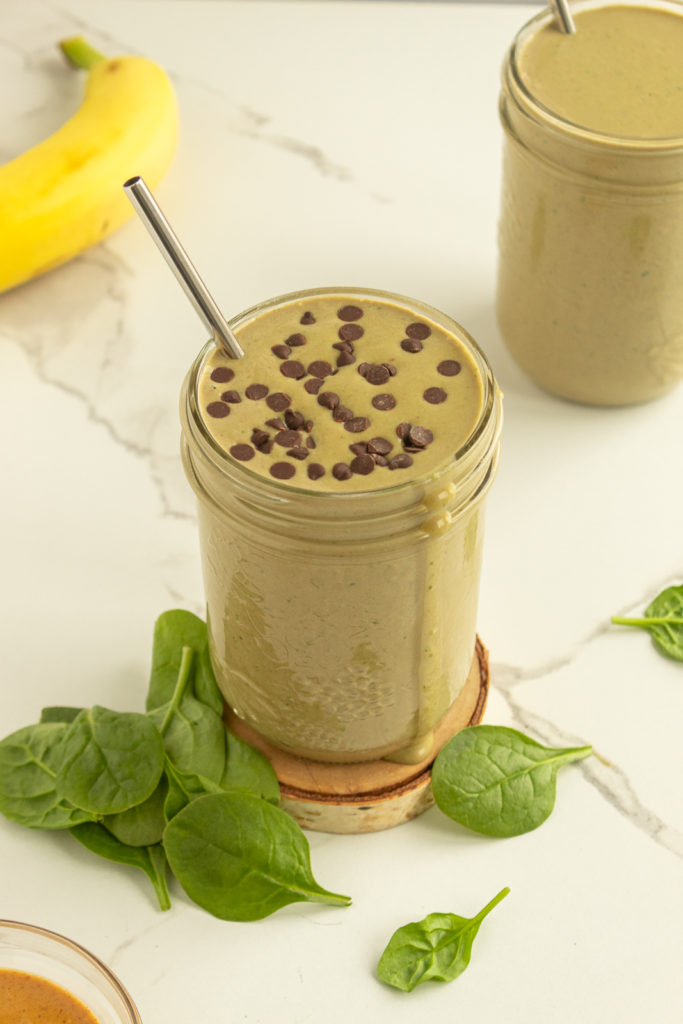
column 371, row 795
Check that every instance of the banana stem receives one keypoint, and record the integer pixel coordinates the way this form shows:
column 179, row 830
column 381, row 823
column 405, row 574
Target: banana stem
column 79, row 53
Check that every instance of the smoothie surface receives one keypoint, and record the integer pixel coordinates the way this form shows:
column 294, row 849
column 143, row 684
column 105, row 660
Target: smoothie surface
column 620, row 73
column 340, row 393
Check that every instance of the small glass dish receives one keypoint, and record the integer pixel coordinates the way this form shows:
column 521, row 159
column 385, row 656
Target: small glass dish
column 33, row 950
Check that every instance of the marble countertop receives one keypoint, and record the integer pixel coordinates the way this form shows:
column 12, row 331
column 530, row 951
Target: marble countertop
column 336, row 143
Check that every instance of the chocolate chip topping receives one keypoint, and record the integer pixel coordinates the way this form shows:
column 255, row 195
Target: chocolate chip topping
column 328, row 400
column 231, row 396
column 298, row 452
column 313, row 385
column 281, row 351
column 266, row 447
column 315, row 470
column 340, row 471
column 295, row 340
column 363, row 368
column 243, row 452
column 357, row 424
column 377, row 375
column 391, row 368
column 294, row 420
column 402, row 430
column 256, row 392
column 282, row 470
column 277, row 423
column 345, row 358
column 362, row 464
column 350, row 313
column 359, row 448
column 379, row 446
column 419, row 331
column 434, row 396
column 307, row 318
column 222, row 374
column 420, row 436
column 384, row 401
column 293, row 368
column 218, row 410
column 310, row 442
column 278, row 401
column 343, row 346
column 401, row 461
column 350, row 332
column 288, row 438
column 411, row 345
column 381, row 460
column 320, row 368
column 342, row 414
column 259, row 437
column 449, row 367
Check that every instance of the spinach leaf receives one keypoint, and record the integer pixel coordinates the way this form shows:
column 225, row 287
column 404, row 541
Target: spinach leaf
column 498, row 781
column 110, row 760
column 247, row 768
column 150, row 859
column 437, row 948
column 59, row 714
column 664, row 621
column 240, row 858
column 29, row 761
column 205, row 686
column 142, row 825
column 173, row 631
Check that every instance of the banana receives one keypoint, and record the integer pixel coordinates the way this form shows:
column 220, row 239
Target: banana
column 65, row 194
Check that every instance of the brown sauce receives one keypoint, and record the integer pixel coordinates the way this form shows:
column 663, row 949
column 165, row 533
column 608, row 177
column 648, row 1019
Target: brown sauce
column 28, row 999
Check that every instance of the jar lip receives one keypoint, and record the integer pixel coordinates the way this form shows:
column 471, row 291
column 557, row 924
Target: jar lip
column 655, row 146
column 283, row 489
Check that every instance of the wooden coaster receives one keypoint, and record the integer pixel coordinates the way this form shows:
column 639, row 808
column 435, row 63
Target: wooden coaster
column 371, row 795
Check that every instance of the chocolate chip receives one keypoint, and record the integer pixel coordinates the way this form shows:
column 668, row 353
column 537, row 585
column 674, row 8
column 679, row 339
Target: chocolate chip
column 342, row 414
column 231, row 396
column 384, row 401
column 320, row 368
column 242, row 452
column 282, row 470
column 288, row 438
column 328, row 400
column 401, row 461
column 218, row 410
column 357, row 424
column 293, row 368
column 359, row 448
column 294, row 420
column 411, row 345
column 278, row 401
column 343, row 346
column 402, row 430
column 315, row 470
column 281, row 351
column 313, row 385
column 420, row 436
column 350, row 332
column 435, row 396
column 222, row 374
column 266, row 447
column 259, row 437
column 391, row 368
column 295, row 340
column 298, row 453
column 308, row 426
column 310, row 442
column 381, row 460
column 377, row 375
column 350, row 313
column 363, row 368
column 362, row 464
column 276, row 423
column 345, row 358
column 307, row 318
column 412, row 448
column 419, row 331
column 449, row 367
column 379, row 446
column 256, row 391
column 341, row 471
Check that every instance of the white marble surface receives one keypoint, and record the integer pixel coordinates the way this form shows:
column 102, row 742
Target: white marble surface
column 336, row 143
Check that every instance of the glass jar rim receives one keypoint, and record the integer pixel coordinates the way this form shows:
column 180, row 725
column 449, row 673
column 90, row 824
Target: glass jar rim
column 646, row 147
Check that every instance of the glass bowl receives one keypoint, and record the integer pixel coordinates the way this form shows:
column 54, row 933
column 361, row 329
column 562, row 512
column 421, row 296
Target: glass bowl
column 34, row 950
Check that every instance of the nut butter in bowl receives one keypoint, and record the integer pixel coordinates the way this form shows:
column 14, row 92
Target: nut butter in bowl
column 45, row 976
column 589, row 297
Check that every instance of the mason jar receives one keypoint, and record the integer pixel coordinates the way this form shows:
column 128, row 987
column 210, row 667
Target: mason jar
column 590, row 279
column 342, row 626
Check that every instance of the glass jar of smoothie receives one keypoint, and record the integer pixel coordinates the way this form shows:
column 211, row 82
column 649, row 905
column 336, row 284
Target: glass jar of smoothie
column 341, row 468
column 590, row 296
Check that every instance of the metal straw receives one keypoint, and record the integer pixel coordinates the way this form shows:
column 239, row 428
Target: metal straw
column 180, row 263
column 563, row 16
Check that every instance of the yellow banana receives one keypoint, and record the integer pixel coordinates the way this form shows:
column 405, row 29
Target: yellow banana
column 66, row 193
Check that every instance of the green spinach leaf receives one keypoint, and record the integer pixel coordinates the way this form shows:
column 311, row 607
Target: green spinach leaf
column 663, row 619
column 247, row 768
column 240, row 858
column 437, row 948
column 59, row 714
column 142, row 825
column 205, row 686
column 497, row 781
column 29, row 761
column 173, row 631
column 150, row 859
column 109, row 761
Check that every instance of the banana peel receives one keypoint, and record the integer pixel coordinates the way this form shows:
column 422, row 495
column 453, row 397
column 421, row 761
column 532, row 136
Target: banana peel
column 65, row 194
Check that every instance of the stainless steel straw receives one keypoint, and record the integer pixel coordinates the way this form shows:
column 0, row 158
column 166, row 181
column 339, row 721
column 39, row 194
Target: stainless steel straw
column 180, row 263
column 563, row 15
